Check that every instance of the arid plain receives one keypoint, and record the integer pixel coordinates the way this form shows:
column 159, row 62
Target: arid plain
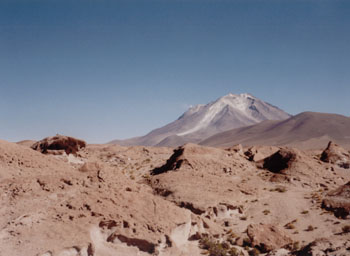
column 193, row 200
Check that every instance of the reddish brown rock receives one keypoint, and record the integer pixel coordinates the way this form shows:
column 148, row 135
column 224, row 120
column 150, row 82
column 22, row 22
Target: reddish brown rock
column 279, row 161
column 335, row 154
column 59, row 144
column 267, row 237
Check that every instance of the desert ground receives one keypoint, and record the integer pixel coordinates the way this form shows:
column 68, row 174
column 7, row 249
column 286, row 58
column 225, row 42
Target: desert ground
column 61, row 197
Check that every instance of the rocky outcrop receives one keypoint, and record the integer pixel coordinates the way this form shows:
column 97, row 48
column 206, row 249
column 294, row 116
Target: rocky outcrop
column 190, row 156
column 335, row 154
column 267, row 237
column 59, row 144
column 338, row 201
column 173, row 163
column 258, row 153
column 325, row 247
column 279, row 161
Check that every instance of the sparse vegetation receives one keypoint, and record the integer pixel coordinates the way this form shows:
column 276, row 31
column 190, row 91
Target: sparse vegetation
column 279, row 189
column 266, row 212
column 310, row 228
column 146, row 176
column 305, row 212
column 346, row 229
column 215, row 248
column 247, row 242
column 295, row 246
column 146, row 161
column 291, row 225
column 231, row 240
column 254, row 252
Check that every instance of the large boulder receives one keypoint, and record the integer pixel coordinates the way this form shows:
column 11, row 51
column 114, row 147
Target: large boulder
column 267, row 237
column 59, row 144
column 335, row 154
column 338, row 201
column 279, row 161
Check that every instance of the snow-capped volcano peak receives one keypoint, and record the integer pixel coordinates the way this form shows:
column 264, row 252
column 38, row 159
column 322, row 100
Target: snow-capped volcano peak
column 239, row 110
column 238, row 101
column 201, row 121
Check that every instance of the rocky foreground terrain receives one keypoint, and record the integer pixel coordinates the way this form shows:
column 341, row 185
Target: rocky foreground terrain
column 61, row 197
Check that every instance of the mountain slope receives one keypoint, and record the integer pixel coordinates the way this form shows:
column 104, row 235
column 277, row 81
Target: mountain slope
column 201, row 121
column 307, row 130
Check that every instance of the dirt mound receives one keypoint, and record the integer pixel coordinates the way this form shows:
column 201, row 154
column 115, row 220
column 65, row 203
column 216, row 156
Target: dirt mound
column 335, row 154
column 58, row 144
column 18, row 161
column 338, row 201
column 267, row 237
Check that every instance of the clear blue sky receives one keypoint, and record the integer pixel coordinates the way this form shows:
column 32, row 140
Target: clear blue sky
column 101, row 70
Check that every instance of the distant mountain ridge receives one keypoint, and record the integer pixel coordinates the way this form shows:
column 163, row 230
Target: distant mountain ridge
column 307, row 130
column 202, row 121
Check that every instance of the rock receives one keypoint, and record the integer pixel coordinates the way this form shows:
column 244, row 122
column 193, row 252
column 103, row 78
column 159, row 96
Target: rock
column 325, row 247
column 237, row 149
column 338, row 201
column 240, row 241
column 142, row 244
column 267, row 237
column 279, row 161
column 257, row 153
column 335, row 154
column 59, row 144
column 173, row 163
column 195, row 209
column 187, row 156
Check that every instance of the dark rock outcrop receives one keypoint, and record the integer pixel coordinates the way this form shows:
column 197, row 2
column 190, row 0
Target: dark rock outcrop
column 278, row 161
column 59, row 144
column 173, row 163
